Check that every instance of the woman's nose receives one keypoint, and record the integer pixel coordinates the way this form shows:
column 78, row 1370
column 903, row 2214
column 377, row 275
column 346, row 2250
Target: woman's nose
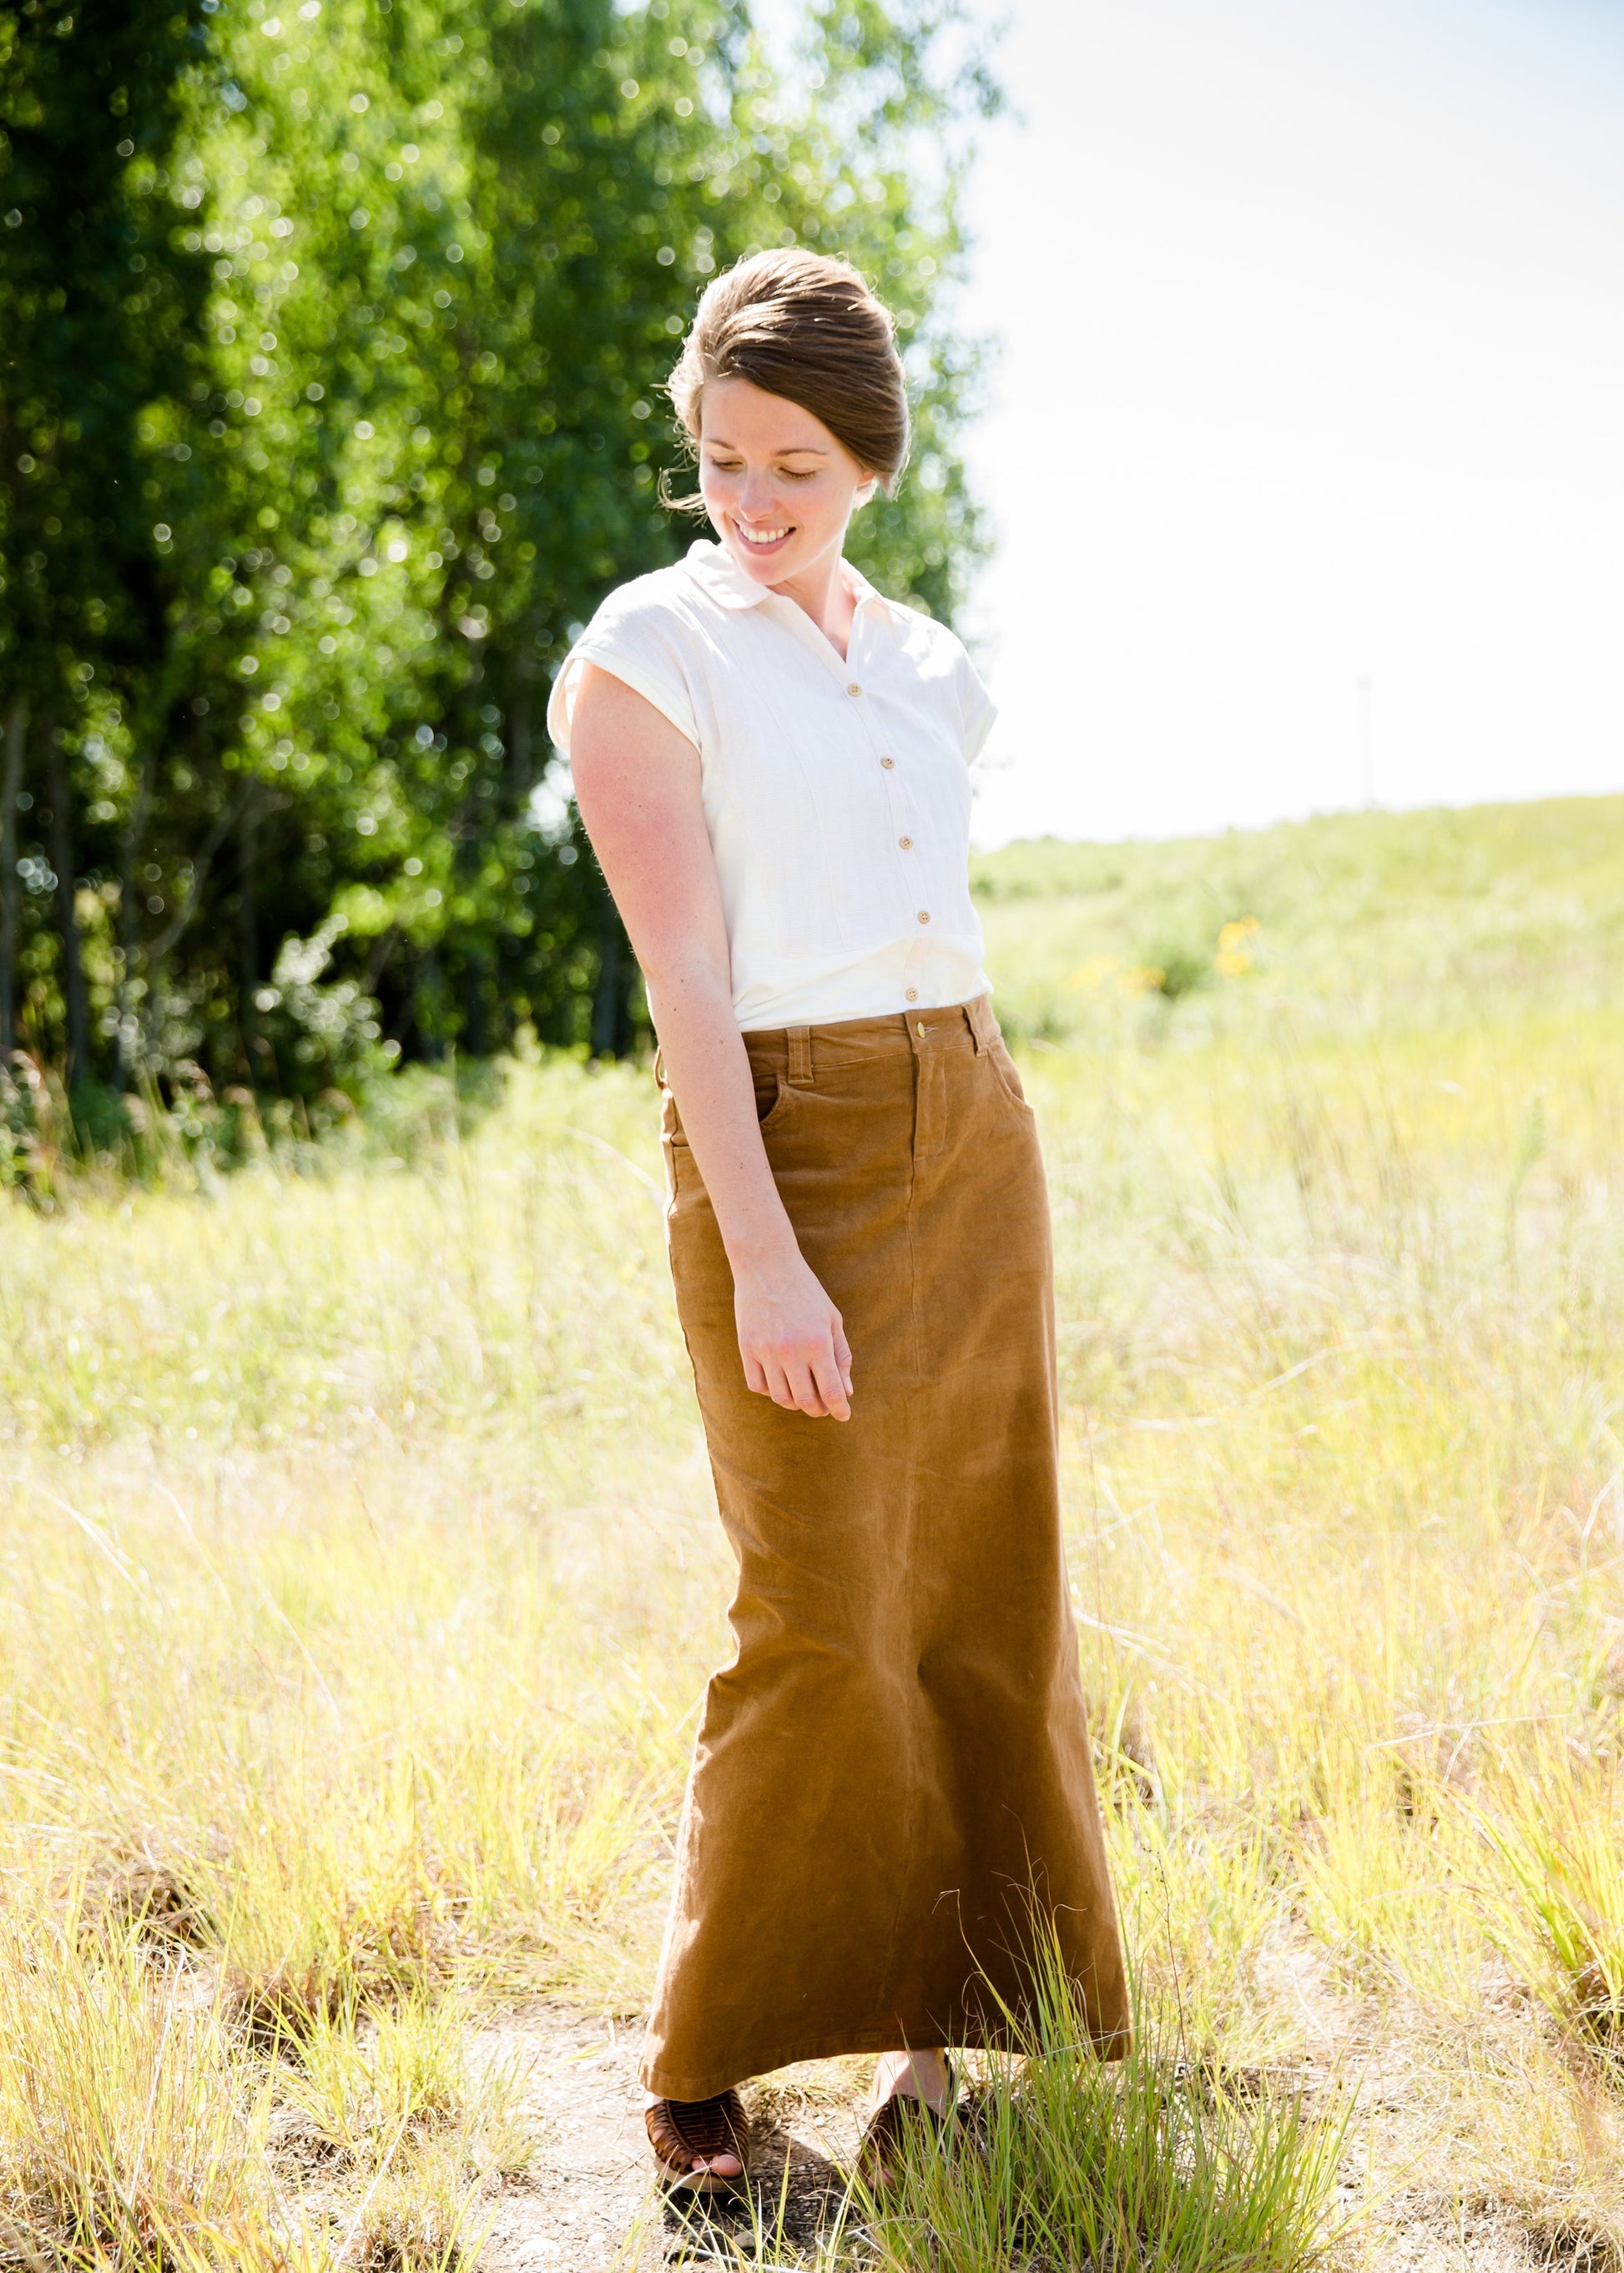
column 756, row 500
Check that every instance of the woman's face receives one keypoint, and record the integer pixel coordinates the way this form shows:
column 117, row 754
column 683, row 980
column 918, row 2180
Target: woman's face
column 778, row 487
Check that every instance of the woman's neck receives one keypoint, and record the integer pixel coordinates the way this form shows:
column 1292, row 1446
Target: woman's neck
column 822, row 591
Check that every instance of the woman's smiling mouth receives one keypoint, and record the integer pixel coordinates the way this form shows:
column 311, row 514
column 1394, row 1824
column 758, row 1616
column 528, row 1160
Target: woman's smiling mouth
column 764, row 540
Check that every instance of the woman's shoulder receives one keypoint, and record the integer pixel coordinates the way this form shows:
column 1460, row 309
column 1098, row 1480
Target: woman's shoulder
column 933, row 646
column 642, row 632
column 917, row 631
column 942, row 661
column 660, row 598
column 924, row 631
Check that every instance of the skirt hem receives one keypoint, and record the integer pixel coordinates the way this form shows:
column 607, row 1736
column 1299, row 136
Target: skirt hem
column 968, row 2036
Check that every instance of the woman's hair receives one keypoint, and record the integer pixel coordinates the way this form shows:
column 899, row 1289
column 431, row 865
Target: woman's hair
column 808, row 329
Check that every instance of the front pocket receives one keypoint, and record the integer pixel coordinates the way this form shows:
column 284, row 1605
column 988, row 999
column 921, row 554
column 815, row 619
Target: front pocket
column 783, row 1098
column 777, row 1107
column 1008, row 1079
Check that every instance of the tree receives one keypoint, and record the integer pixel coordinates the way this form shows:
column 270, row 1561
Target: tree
column 98, row 320
column 385, row 425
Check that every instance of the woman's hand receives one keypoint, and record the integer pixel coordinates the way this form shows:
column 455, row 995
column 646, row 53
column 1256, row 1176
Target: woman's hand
column 790, row 1338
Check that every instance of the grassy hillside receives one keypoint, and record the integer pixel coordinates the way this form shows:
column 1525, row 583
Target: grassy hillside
column 359, row 1574
column 1432, row 921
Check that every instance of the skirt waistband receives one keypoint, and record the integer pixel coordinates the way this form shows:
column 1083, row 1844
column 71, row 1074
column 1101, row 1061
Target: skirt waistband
column 791, row 1050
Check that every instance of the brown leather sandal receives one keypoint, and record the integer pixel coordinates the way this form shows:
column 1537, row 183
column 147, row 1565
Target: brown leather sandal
column 683, row 2132
column 894, row 2121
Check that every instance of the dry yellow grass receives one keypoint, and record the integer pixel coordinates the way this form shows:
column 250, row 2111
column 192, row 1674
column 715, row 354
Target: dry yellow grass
column 359, row 1575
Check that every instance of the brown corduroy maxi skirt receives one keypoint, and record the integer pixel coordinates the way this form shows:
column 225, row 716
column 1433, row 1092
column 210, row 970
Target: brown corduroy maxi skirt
column 896, row 1763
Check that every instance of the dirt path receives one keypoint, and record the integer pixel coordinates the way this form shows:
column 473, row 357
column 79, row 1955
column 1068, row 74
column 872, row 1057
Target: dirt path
column 587, row 2201
column 587, row 2205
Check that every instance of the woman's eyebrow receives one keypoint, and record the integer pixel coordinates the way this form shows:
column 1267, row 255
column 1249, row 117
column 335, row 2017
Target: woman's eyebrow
column 793, row 450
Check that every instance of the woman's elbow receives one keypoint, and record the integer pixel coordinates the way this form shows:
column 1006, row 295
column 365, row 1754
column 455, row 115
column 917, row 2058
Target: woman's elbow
column 679, row 978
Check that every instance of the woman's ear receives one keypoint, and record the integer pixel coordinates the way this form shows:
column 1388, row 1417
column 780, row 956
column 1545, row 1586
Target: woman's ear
column 865, row 490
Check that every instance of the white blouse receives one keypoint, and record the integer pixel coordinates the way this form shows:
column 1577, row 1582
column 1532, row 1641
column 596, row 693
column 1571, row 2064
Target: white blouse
column 836, row 794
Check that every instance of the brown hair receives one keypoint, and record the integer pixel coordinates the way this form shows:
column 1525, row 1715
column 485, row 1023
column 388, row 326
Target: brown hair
column 808, row 329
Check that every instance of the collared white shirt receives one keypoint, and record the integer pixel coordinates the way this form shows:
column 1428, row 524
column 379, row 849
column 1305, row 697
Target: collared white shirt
column 836, row 794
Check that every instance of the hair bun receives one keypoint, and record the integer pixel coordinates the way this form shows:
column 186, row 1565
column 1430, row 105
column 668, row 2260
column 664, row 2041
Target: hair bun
column 807, row 328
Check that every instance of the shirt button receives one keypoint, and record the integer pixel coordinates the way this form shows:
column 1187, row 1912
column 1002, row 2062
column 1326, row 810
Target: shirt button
column 888, row 764
column 924, row 915
column 907, row 843
column 912, row 995
column 854, row 688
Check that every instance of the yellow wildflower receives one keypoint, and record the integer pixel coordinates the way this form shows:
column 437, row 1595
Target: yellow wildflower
column 1090, row 973
column 1234, row 956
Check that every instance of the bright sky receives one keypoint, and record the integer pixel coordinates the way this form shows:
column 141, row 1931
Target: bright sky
column 1312, row 325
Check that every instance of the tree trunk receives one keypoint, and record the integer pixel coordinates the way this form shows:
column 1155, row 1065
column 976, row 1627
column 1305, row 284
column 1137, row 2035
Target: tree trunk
column 608, row 1007
column 520, row 780
column 475, row 1025
column 248, row 919
column 428, row 1007
column 131, row 850
column 16, row 738
column 77, row 1066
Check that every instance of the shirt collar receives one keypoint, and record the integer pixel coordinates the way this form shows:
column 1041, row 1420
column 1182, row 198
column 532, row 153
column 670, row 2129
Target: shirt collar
column 719, row 576
column 721, row 579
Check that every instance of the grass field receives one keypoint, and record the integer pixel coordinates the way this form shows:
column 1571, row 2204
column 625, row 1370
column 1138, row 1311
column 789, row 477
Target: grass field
column 359, row 1576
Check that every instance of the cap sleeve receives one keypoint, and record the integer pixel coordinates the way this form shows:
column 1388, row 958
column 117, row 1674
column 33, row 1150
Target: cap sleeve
column 976, row 708
column 638, row 638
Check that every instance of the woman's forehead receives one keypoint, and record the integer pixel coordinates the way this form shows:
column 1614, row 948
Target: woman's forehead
column 743, row 416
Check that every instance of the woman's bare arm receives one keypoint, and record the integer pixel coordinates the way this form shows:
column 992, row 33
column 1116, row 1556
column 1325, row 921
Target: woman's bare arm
column 637, row 784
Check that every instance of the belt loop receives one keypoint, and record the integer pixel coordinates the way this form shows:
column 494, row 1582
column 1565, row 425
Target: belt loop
column 800, row 1057
column 983, row 1025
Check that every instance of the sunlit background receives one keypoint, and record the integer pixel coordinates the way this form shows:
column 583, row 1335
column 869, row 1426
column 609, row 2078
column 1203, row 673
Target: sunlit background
column 1311, row 316
column 333, row 339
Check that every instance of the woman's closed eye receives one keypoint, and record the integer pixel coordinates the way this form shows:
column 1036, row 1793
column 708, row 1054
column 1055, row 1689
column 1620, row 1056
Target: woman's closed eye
column 783, row 472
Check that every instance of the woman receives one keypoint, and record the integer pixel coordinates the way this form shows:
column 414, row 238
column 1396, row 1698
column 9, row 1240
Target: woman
column 770, row 759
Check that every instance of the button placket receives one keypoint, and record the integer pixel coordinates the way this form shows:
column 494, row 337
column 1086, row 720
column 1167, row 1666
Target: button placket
column 904, row 834
column 915, row 963
column 915, row 889
column 899, row 799
column 855, row 685
column 858, row 690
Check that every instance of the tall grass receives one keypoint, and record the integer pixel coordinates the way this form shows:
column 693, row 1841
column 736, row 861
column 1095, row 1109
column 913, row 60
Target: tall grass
column 129, row 2133
column 358, row 1575
column 1164, row 2161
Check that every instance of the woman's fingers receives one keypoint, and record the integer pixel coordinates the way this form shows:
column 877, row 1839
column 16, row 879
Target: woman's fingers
column 831, row 1390
column 828, row 1391
column 832, row 1371
column 805, row 1394
column 773, row 1376
column 813, row 1382
column 843, row 1354
column 806, row 1372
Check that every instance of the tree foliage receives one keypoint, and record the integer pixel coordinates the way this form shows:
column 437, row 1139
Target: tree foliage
column 332, row 337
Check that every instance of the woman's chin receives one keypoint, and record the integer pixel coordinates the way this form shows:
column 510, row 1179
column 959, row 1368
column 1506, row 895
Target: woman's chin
column 766, row 567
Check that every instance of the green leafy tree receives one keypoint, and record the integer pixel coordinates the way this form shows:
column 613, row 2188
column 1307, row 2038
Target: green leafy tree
column 98, row 320
column 414, row 271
